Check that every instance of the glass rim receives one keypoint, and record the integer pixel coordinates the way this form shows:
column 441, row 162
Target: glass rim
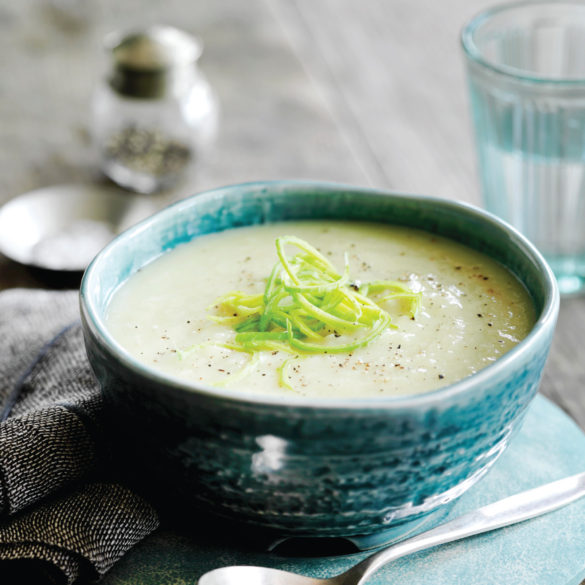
column 473, row 53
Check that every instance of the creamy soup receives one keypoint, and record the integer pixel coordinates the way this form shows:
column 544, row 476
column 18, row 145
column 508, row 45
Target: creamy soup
column 464, row 312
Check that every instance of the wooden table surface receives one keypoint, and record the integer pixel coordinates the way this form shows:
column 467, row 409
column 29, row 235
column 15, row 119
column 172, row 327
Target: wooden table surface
column 369, row 93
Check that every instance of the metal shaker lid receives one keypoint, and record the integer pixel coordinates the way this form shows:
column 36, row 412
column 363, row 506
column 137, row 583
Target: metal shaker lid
column 148, row 63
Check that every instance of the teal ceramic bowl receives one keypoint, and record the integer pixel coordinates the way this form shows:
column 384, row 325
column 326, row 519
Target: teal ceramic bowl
column 370, row 470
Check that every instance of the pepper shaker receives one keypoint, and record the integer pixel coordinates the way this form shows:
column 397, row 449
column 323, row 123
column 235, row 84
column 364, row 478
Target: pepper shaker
column 154, row 112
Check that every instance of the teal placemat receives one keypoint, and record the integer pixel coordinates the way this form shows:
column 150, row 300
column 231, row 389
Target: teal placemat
column 545, row 551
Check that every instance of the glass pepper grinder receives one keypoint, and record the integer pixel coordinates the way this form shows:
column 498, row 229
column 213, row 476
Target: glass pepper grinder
column 154, row 112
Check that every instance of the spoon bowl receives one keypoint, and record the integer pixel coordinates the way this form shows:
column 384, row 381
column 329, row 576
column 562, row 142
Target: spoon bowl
column 63, row 227
column 261, row 576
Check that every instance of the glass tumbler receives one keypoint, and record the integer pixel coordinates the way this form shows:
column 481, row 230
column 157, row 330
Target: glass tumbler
column 526, row 73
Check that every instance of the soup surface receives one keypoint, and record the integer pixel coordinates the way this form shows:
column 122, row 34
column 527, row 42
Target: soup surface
column 471, row 311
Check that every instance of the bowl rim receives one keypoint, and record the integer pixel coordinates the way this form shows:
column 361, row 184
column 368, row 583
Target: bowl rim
column 545, row 322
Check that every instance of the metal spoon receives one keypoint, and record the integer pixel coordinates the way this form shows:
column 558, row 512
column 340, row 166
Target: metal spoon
column 517, row 508
column 62, row 227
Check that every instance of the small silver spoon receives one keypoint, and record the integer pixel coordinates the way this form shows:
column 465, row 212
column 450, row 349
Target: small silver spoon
column 62, row 227
column 517, row 508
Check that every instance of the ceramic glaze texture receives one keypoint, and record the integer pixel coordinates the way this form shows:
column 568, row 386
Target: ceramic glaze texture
column 322, row 468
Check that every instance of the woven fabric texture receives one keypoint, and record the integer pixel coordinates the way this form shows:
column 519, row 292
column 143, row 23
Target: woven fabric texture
column 61, row 506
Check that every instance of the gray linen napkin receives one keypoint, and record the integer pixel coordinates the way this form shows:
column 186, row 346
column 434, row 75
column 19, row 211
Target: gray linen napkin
column 63, row 510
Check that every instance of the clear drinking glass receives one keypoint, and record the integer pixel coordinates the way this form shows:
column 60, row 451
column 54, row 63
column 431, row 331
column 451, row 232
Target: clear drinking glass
column 526, row 72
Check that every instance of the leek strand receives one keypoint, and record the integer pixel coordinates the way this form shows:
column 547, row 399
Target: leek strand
column 305, row 303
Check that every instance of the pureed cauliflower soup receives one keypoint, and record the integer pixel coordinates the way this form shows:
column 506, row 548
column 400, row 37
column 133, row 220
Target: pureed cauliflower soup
column 322, row 309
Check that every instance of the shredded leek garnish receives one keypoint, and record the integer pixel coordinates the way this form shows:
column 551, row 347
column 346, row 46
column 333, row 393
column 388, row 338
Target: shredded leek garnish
column 306, row 305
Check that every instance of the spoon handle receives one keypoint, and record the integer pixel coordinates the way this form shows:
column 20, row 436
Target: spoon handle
column 516, row 508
